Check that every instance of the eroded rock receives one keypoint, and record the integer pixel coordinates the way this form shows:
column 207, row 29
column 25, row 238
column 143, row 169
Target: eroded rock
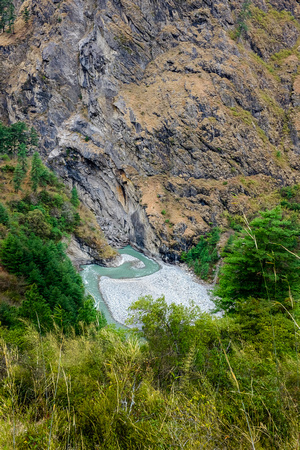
column 159, row 114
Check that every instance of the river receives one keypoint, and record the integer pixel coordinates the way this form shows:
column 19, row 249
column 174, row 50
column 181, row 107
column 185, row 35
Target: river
column 91, row 276
column 115, row 288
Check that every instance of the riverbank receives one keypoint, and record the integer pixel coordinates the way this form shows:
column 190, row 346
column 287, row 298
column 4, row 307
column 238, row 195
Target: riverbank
column 175, row 283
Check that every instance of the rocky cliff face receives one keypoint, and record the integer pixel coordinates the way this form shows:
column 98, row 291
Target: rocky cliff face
column 164, row 114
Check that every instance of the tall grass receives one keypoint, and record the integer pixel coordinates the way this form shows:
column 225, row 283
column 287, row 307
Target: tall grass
column 103, row 391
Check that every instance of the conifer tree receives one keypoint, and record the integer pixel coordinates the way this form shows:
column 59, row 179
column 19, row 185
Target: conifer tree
column 11, row 17
column 26, row 15
column 19, row 176
column 33, row 138
column 37, row 170
column 3, row 215
column 3, row 138
column 7, row 15
column 21, row 168
column 74, row 197
column 4, row 10
column 22, row 157
column 16, row 134
column 36, row 308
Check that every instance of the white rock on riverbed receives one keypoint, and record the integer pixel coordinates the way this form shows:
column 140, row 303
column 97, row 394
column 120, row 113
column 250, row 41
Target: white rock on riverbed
column 135, row 262
column 174, row 283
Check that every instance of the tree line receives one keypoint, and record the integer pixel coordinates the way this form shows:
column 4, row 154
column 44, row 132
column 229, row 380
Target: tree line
column 32, row 228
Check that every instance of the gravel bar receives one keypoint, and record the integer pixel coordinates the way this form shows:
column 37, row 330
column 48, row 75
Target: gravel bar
column 177, row 285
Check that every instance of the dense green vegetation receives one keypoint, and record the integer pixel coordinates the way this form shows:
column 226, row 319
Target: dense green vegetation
column 261, row 263
column 204, row 256
column 11, row 138
column 193, row 382
column 33, row 225
column 181, row 379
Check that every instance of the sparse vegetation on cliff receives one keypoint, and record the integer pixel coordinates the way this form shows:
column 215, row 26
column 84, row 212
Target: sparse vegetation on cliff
column 244, row 15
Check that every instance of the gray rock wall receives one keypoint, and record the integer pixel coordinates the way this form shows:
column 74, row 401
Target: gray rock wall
column 155, row 110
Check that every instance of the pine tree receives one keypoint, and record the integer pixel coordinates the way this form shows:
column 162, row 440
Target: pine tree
column 37, row 171
column 3, row 137
column 7, row 15
column 74, row 197
column 13, row 254
column 19, row 176
column 21, row 168
column 22, row 157
column 36, row 309
column 4, row 218
column 33, row 138
column 26, row 15
column 16, row 135
column 244, row 15
column 4, row 4
column 11, row 18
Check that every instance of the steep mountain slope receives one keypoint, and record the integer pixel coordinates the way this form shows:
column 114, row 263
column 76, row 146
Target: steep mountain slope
column 163, row 113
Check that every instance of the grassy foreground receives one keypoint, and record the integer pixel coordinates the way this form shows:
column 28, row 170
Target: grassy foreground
column 197, row 382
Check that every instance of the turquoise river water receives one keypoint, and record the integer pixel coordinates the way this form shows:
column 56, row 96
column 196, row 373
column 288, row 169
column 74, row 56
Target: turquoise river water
column 91, row 274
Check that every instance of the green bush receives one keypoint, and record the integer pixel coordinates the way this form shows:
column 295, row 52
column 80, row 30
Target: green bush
column 260, row 262
column 203, row 257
